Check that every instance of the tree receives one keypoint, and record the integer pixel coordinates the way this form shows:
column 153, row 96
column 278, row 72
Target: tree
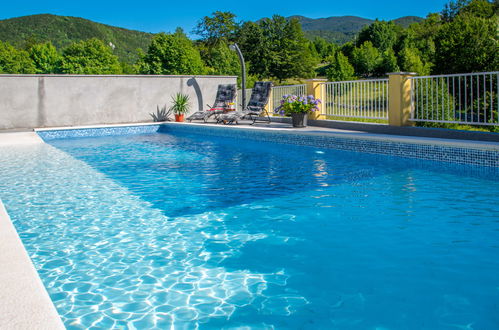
column 347, row 49
column 478, row 8
column 13, row 60
column 324, row 49
column 90, row 56
column 220, row 27
column 277, row 48
column 171, row 54
column 220, row 60
column 481, row 8
column 45, row 58
column 410, row 61
column 388, row 63
column 340, row 68
column 366, row 59
column 216, row 32
column 382, row 35
column 467, row 44
column 250, row 39
column 289, row 56
column 421, row 36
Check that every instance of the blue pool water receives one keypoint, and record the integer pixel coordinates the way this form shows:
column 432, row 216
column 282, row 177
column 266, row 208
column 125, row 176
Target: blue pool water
column 154, row 230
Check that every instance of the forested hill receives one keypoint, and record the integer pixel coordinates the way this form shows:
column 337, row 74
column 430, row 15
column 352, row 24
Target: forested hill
column 63, row 30
column 341, row 29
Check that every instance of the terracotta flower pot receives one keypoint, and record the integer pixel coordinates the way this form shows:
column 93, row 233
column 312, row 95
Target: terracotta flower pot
column 179, row 118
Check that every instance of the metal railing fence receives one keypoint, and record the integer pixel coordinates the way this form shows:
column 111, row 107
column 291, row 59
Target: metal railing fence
column 239, row 99
column 471, row 98
column 279, row 91
column 356, row 99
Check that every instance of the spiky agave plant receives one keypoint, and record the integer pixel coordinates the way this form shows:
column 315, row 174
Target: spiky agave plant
column 161, row 115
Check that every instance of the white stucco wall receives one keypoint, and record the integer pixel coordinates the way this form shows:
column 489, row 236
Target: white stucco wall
column 29, row 101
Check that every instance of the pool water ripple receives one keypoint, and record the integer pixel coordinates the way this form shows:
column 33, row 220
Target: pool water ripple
column 150, row 231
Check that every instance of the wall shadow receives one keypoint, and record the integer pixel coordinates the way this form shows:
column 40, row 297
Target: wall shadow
column 192, row 82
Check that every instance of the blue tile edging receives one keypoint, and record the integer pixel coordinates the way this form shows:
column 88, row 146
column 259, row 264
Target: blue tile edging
column 48, row 135
column 391, row 147
column 420, row 150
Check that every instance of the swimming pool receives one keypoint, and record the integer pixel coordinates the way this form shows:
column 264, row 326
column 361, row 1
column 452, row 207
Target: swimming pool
column 149, row 230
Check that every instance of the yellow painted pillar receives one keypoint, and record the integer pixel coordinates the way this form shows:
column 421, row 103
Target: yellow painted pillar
column 315, row 87
column 399, row 98
column 269, row 107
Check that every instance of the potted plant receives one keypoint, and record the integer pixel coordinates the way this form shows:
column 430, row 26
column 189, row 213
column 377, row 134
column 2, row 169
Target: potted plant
column 180, row 106
column 298, row 107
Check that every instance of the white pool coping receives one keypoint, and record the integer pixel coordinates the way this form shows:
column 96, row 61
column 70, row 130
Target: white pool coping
column 19, row 138
column 24, row 301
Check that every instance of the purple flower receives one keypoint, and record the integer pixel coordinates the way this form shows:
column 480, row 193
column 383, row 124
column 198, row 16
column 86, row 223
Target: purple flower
column 297, row 104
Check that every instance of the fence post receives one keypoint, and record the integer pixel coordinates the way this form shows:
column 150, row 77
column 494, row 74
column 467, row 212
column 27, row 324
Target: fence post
column 399, row 98
column 315, row 88
column 269, row 107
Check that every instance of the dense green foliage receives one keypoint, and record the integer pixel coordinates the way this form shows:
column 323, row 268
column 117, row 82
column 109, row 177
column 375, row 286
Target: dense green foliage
column 216, row 33
column 171, row 54
column 466, row 44
column 366, row 59
column 382, row 35
column 89, row 57
column 340, row 68
column 220, row 27
column 45, row 58
column 220, row 60
column 463, row 38
column 62, row 31
column 14, row 60
column 334, row 37
column 276, row 48
column 273, row 47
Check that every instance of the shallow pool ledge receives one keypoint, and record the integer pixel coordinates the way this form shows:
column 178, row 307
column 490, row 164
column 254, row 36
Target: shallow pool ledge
column 19, row 138
column 24, row 302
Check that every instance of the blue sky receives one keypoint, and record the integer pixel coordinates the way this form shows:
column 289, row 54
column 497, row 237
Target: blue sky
column 156, row 16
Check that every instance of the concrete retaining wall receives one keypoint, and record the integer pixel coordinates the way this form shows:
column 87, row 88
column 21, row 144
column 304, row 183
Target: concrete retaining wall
column 29, row 101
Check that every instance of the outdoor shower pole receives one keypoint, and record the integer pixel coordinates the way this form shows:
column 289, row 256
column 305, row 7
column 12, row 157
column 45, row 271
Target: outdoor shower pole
column 243, row 69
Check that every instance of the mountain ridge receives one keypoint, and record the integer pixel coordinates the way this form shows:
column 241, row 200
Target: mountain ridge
column 63, row 30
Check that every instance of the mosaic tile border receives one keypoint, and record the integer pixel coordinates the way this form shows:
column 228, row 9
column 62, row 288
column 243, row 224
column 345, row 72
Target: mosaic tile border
column 426, row 151
column 48, row 135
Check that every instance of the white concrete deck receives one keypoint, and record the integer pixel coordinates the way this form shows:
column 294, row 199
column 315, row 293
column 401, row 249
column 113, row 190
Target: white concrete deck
column 24, row 301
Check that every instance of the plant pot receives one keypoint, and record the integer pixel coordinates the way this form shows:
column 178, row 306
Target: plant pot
column 179, row 118
column 299, row 119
